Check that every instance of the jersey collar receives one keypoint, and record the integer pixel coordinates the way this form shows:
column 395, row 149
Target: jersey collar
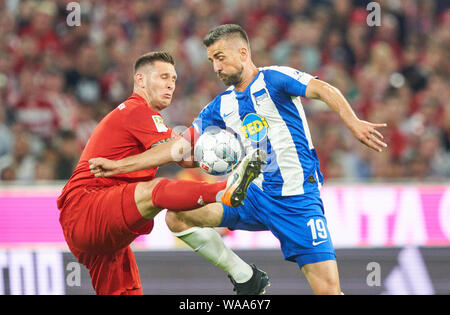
column 240, row 95
column 138, row 98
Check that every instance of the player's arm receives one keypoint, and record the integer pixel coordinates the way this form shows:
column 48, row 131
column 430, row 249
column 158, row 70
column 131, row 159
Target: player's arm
column 175, row 150
column 364, row 131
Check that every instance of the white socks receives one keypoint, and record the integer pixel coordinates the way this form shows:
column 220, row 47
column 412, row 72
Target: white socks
column 209, row 244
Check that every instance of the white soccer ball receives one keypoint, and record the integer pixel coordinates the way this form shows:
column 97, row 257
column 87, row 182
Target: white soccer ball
column 217, row 152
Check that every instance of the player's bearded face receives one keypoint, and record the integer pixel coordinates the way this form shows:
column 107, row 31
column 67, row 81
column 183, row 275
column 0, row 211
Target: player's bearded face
column 226, row 61
column 232, row 78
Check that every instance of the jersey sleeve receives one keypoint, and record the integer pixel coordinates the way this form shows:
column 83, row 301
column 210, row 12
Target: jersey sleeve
column 289, row 80
column 209, row 116
column 147, row 127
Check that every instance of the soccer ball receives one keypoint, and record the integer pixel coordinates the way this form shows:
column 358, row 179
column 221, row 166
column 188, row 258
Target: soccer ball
column 217, row 152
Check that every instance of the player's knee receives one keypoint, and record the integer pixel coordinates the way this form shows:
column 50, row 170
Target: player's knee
column 172, row 221
column 143, row 197
column 144, row 190
column 175, row 222
column 327, row 286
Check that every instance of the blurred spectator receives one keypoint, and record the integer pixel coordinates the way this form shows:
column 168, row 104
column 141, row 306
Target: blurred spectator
column 20, row 163
column 33, row 109
column 44, row 171
column 6, row 136
column 67, row 154
column 57, row 81
column 83, row 77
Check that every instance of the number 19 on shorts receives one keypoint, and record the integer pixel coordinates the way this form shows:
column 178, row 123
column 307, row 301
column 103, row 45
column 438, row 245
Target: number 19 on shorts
column 318, row 230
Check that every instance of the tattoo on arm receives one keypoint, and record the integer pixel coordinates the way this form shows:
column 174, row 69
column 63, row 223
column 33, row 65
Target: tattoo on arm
column 162, row 141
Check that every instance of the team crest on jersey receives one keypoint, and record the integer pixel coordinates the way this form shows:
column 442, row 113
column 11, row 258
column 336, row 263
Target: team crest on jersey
column 260, row 96
column 254, row 127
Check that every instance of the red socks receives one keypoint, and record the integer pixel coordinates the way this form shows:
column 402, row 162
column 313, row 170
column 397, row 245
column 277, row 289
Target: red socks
column 185, row 194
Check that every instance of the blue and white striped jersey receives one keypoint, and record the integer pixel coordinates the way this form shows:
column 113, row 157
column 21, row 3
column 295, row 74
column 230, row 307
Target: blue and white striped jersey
column 270, row 115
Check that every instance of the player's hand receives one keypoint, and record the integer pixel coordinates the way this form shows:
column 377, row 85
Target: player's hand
column 102, row 167
column 367, row 134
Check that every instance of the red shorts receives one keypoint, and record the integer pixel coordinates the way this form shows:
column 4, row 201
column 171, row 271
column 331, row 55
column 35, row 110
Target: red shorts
column 95, row 228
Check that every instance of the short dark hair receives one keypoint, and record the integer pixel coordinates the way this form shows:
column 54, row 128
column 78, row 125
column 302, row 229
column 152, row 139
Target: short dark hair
column 151, row 57
column 222, row 31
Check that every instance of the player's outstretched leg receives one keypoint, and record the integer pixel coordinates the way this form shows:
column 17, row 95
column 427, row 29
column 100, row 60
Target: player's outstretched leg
column 240, row 179
column 181, row 195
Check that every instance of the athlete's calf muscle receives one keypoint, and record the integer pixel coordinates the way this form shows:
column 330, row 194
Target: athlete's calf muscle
column 323, row 277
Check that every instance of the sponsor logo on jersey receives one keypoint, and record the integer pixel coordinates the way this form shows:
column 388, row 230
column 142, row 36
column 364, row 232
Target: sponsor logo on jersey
column 226, row 115
column 254, row 127
column 317, row 243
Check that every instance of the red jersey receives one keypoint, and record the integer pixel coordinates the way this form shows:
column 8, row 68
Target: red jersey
column 130, row 129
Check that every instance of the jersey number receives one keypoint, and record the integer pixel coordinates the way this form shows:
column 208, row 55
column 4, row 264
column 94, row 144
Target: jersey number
column 318, row 228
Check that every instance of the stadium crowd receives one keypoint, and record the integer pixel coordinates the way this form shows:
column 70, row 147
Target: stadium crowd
column 57, row 81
